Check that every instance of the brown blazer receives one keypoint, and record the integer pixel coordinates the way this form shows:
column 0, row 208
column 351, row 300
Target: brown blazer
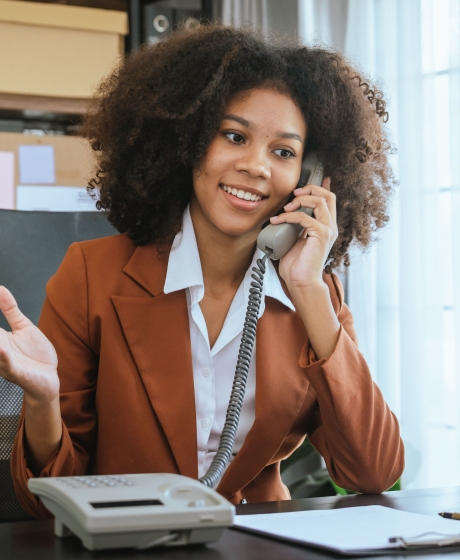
column 127, row 394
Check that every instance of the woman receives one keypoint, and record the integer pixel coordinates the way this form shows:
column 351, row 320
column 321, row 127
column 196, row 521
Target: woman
column 200, row 140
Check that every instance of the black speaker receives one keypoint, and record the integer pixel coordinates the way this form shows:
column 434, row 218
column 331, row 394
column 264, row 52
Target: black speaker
column 190, row 19
column 158, row 22
column 159, row 18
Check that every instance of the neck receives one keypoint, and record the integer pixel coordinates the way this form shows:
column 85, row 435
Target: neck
column 224, row 258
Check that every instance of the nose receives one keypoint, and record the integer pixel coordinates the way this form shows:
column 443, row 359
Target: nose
column 255, row 163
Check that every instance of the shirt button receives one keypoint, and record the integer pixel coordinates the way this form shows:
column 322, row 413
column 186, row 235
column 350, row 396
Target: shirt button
column 205, row 423
column 206, row 372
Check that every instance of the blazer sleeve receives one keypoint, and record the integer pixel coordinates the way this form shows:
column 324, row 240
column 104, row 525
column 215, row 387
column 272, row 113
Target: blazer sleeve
column 352, row 426
column 64, row 320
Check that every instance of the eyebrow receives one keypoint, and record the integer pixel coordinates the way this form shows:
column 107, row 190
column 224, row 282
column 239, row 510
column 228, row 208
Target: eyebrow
column 238, row 119
column 290, row 135
column 247, row 124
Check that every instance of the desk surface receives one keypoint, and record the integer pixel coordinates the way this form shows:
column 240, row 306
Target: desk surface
column 34, row 540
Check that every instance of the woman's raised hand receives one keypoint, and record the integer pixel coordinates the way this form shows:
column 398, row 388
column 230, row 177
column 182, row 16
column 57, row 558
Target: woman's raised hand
column 27, row 357
column 302, row 267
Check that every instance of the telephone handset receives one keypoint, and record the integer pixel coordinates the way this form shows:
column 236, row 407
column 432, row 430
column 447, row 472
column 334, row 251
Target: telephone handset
column 279, row 238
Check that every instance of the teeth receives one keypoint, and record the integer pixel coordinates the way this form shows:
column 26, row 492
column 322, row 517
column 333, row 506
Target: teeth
column 240, row 193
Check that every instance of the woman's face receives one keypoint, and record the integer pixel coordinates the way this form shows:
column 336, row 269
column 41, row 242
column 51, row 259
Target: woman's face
column 252, row 165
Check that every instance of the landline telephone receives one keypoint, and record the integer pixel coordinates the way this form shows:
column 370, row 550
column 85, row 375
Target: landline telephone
column 146, row 510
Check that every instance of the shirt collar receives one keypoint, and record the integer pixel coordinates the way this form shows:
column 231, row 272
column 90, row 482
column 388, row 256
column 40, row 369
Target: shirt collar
column 184, row 265
column 184, row 268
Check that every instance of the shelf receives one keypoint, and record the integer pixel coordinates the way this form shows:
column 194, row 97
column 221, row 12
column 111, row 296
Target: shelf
column 69, row 106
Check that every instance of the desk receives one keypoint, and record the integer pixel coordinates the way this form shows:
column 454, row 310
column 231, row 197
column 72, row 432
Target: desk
column 34, row 540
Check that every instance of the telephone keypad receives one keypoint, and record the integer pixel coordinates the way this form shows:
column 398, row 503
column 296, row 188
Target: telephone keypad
column 96, row 481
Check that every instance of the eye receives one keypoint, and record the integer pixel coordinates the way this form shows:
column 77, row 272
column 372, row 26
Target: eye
column 284, row 153
column 235, row 137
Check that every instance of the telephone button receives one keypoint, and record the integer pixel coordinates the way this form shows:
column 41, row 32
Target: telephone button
column 206, row 372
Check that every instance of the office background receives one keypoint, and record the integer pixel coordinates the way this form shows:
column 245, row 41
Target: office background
column 403, row 292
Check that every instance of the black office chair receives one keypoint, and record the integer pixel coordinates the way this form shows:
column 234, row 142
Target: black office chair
column 32, row 244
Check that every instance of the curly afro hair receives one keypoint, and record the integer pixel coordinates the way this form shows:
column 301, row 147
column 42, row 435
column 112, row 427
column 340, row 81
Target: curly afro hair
column 153, row 118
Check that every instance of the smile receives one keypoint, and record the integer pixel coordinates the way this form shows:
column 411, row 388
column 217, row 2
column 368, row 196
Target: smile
column 240, row 193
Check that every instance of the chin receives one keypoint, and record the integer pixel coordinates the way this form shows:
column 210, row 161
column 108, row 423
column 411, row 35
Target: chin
column 237, row 228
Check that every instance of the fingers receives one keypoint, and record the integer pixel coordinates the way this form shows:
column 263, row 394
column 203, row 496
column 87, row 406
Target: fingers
column 5, row 357
column 5, row 361
column 10, row 310
column 313, row 228
column 323, row 192
column 326, row 183
column 318, row 204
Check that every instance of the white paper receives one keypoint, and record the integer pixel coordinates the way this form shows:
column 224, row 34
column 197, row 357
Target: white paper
column 349, row 530
column 54, row 199
column 7, row 180
column 36, row 165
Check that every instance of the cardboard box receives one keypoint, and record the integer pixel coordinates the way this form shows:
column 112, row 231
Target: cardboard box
column 57, row 50
column 72, row 155
column 69, row 164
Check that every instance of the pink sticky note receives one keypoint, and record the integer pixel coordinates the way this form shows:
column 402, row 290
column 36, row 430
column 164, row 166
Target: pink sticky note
column 7, row 180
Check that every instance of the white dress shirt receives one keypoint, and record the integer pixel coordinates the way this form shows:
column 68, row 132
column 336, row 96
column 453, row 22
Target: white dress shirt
column 214, row 368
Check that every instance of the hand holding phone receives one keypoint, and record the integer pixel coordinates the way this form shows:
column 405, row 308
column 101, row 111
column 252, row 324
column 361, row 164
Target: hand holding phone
column 280, row 238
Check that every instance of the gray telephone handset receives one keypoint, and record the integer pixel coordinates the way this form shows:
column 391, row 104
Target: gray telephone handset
column 279, row 238
column 146, row 510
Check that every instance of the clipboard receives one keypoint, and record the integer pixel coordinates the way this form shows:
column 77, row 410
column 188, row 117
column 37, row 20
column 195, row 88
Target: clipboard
column 426, row 540
column 356, row 531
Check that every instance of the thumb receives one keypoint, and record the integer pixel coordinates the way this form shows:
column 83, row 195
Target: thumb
column 10, row 309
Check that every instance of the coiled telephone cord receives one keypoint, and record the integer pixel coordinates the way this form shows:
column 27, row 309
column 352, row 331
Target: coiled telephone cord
column 232, row 418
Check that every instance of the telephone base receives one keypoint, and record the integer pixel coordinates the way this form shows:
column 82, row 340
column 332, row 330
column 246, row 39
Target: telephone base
column 60, row 530
column 138, row 511
column 142, row 540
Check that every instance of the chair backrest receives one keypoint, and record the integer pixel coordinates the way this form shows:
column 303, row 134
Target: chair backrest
column 32, row 245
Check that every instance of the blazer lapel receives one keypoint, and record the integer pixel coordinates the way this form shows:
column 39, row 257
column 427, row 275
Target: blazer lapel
column 147, row 267
column 281, row 387
column 157, row 333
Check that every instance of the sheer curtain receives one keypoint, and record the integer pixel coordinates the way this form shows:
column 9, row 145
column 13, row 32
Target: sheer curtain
column 405, row 291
